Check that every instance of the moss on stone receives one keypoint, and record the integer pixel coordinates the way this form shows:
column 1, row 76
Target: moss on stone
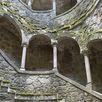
column 6, row 81
column 34, row 94
column 30, row 27
column 99, row 31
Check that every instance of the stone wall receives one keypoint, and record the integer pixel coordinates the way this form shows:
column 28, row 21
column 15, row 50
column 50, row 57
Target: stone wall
column 41, row 17
column 93, row 22
column 64, row 5
column 43, row 84
column 11, row 45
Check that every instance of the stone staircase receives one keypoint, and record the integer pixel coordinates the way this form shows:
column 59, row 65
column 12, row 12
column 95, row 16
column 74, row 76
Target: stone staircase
column 26, row 96
column 4, row 96
column 9, row 90
column 10, row 94
column 36, row 97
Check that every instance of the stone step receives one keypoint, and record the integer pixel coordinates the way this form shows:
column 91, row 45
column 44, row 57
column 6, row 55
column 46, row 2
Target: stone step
column 1, row 78
column 11, row 90
column 5, row 97
column 3, row 89
column 4, row 86
column 5, row 83
column 36, row 101
column 36, row 97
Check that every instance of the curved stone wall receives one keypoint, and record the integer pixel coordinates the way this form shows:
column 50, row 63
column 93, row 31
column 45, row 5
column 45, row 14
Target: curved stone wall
column 95, row 55
column 30, row 86
column 10, row 42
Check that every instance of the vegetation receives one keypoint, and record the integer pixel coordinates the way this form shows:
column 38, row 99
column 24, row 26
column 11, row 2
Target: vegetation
column 82, row 36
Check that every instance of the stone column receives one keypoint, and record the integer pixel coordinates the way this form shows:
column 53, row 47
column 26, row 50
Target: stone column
column 23, row 61
column 30, row 3
column 88, row 71
column 54, row 7
column 54, row 43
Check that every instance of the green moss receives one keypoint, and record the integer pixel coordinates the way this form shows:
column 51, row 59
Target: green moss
column 29, row 27
column 34, row 94
column 6, row 81
column 14, row 88
column 99, row 31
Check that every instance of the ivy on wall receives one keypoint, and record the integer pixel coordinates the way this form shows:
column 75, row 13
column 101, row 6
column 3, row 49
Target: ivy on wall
column 23, row 22
column 82, row 36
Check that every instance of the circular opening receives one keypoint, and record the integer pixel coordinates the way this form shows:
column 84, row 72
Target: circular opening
column 39, row 5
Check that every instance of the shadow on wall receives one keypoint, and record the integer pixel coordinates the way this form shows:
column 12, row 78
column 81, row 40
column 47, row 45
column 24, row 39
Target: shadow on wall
column 40, row 5
column 10, row 40
column 95, row 55
column 70, row 61
column 39, row 54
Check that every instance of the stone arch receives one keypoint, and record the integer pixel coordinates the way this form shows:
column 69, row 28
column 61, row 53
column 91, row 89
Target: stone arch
column 70, row 61
column 10, row 39
column 95, row 57
column 64, row 5
column 39, row 54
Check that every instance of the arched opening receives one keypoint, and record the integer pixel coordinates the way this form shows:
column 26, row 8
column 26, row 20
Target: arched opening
column 95, row 56
column 10, row 39
column 64, row 5
column 70, row 61
column 40, row 5
column 39, row 54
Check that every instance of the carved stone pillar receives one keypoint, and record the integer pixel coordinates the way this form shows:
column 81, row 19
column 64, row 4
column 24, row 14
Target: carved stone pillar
column 88, row 71
column 23, row 61
column 54, row 44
